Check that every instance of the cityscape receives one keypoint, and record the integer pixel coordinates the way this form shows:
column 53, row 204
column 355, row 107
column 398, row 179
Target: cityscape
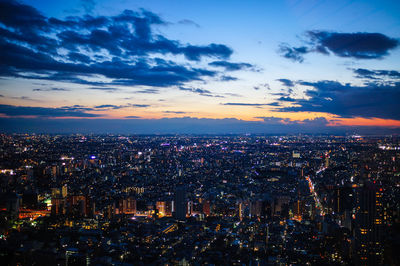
column 170, row 132
column 195, row 200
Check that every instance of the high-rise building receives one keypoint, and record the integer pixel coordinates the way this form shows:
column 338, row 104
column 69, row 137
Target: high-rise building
column 180, row 203
column 369, row 225
column 127, row 206
column 12, row 204
column 206, row 207
column 64, row 191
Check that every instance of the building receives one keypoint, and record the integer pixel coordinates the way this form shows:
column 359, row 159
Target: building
column 369, row 226
column 180, row 203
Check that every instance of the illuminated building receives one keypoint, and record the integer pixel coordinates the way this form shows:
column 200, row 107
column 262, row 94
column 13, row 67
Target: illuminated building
column 127, row 206
column 206, row 207
column 64, row 191
column 369, row 229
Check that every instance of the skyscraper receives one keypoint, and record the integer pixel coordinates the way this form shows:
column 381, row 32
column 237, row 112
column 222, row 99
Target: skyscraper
column 369, row 225
column 180, row 202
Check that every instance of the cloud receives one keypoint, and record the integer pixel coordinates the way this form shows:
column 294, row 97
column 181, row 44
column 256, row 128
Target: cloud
column 188, row 22
column 194, row 53
column 286, row 99
column 77, row 107
column 201, row 92
column 293, row 53
column 233, row 94
column 274, row 104
column 113, row 106
column 103, row 88
column 345, row 100
column 21, row 17
column 148, row 91
column 15, row 111
column 79, row 58
column 50, row 89
column 264, row 85
column 140, row 105
column 388, row 77
column 123, row 48
column 174, row 112
column 273, row 120
column 109, row 106
column 88, row 5
column 249, row 104
column 228, row 78
column 286, row 82
column 25, row 98
column 132, row 117
column 230, row 66
column 359, row 45
column 122, row 73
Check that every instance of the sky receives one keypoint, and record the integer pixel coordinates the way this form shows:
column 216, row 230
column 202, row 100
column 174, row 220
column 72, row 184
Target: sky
column 200, row 66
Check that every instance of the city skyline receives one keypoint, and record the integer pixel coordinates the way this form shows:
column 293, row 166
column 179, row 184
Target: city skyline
column 204, row 67
column 199, row 200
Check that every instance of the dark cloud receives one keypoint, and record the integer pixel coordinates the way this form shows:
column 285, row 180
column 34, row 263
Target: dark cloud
column 13, row 111
column 21, row 17
column 188, row 22
column 230, row 66
column 274, row 104
column 282, row 94
column 286, row 99
column 140, row 105
column 148, row 91
column 293, row 53
column 228, row 78
column 109, row 106
column 113, row 106
column 132, row 116
column 359, row 45
column 346, row 100
column 194, row 53
column 121, row 48
column 80, row 58
column 50, row 89
column 174, row 112
column 286, row 82
column 264, row 85
column 375, row 75
column 123, row 73
column 77, row 107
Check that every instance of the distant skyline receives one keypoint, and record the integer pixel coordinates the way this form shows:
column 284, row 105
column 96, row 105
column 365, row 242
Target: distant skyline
column 156, row 66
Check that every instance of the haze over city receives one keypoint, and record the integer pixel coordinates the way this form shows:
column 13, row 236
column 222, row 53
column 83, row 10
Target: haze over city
column 200, row 66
